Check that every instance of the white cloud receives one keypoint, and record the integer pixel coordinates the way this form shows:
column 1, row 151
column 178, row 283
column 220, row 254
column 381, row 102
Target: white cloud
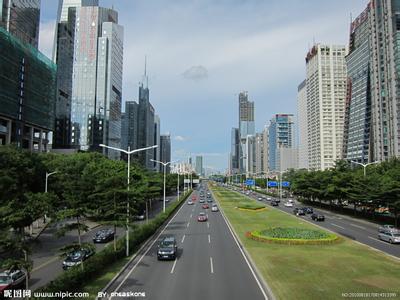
column 180, row 138
column 195, row 73
column 46, row 38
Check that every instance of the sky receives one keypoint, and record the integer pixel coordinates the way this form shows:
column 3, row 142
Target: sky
column 202, row 53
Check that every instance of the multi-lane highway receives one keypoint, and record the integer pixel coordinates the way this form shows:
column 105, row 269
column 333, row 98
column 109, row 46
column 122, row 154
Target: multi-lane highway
column 210, row 265
column 358, row 230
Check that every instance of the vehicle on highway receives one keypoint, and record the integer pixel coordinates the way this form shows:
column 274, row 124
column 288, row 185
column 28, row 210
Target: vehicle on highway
column 139, row 217
column 274, row 203
column 190, row 202
column 317, row 217
column 202, row 217
column 202, row 201
column 11, row 280
column 269, row 198
column 290, row 200
column 278, row 200
column 390, row 236
column 103, row 236
column 260, row 198
column 308, row 210
column 205, row 206
column 167, row 248
column 300, row 212
column 288, row 204
column 214, row 207
column 387, row 228
column 209, row 200
column 76, row 257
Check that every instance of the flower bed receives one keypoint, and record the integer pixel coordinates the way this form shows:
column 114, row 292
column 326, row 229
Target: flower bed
column 293, row 236
column 251, row 206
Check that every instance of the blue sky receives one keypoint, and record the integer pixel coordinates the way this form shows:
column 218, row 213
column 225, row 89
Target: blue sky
column 202, row 53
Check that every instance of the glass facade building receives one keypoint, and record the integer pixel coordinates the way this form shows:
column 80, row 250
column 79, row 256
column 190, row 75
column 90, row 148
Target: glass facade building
column 165, row 150
column 21, row 18
column 27, row 94
column 246, row 127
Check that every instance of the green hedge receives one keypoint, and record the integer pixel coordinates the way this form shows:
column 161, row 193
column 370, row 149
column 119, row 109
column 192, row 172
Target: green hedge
column 293, row 236
column 250, row 205
column 74, row 279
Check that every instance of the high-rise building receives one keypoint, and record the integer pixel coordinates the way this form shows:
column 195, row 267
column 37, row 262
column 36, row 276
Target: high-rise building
column 65, row 5
column 157, row 126
column 234, row 154
column 97, row 80
column 246, row 127
column 385, row 73
column 280, row 135
column 129, row 130
column 265, row 153
column 302, row 125
column 165, row 149
column 357, row 135
column 250, row 159
column 27, row 94
column 199, row 165
column 286, row 158
column 21, row 18
column 326, row 96
column 259, row 154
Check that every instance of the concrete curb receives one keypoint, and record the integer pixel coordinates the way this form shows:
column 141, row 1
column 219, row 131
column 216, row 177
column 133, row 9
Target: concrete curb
column 265, row 286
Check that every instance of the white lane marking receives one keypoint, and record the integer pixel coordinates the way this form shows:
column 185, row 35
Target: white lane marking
column 337, row 226
column 188, row 224
column 208, row 225
column 145, row 253
column 211, row 265
column 358, row 226
column 372, row 238
column 173, row 266
column 209, row 239
column 191, row 215
column 207, row 216
column 183, row 238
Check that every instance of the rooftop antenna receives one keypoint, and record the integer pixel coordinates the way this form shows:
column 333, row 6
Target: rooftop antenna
column 145, row 71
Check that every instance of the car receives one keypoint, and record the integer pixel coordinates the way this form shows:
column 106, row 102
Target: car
column 209, row 200
column 278, row 200
column 308, row 210
column 387, row 228
column 290, row 200
column 140, row 217
column 11, row 279
column 103, row 236
column 190, row 202
column 202, row 217
column 288, row 204
column 295, row 210
column 300, row 212
column 390, row 236
column 202, row 201
column 167, row 248
column 317, row 217
column 205, row 206
column 76, row 257
column 274, row 203
column 269, row 198
column 260, row 199
column 214, row 207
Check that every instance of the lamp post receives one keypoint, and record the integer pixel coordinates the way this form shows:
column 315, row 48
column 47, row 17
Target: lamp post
column 47, row 177
column 128, row 152
column 165, row 164
column 365, row 165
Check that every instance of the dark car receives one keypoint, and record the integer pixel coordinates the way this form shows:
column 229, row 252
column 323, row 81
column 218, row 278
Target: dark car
column 202, row 201
column 300, row 212
column 209, row 200
column 103, row 236
column 10, row 280
column 295, row 210
column 318, row 217
column 274, row 203
column 308, row 210
column 76, row 257
column 167, row 248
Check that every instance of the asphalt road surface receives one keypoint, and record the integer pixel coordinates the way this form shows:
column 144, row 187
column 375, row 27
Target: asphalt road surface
column 209, row 263
column 358, row 230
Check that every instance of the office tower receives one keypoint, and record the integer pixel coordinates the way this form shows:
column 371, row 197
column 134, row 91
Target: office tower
column 157, row 126
column 326, row 95
column 165, row 149
column 129, row 130
column 385, row 73
column 234, row 154
column 281, row 135
column 21, row 18
column 302, row 125
column 265, row 153
column 65, row 5
column 259, row 153
column 250, row 159
column 286, row 158
column 146, row 115
column 246, row 126
column 199, row 165
column 356, row 140
column 27, row 94
column 97, row 80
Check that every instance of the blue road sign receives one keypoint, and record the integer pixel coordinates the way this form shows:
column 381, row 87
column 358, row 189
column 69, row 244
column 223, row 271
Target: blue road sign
column 272, row 184
column 285, row 184
column 250, row 182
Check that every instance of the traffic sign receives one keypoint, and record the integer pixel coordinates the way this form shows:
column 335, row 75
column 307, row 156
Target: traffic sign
column 272, row 184
column 285, row 184
column 250, row 182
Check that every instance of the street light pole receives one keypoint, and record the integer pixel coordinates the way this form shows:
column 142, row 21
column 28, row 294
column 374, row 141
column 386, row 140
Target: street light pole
column 365, row 165
column 129, row 152
column 47, row 177
column 165, row 164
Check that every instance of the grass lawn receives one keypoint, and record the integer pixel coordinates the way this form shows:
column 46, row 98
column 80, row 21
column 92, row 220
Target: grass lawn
column 310, row 271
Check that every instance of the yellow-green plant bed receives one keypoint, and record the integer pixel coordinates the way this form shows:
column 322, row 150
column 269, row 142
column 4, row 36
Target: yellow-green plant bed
column 248, row 206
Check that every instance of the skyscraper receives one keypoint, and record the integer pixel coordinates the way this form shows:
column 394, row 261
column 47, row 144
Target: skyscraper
column 246, row 126
column 21, row 18
column 199, row 165
column 129, row 129
column 280, row 135
column 157, row 127
column 97, row 80
column 234, row 155
column 385, row 74
column 357, row 129
column 165, row 149
column 302, row 124
column 326, row 94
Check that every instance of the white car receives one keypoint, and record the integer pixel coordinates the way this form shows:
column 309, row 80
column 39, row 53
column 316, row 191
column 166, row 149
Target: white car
column 214, row 208
column 269, row 198
column 288, row 204
column 290, row 200
column 391, row 237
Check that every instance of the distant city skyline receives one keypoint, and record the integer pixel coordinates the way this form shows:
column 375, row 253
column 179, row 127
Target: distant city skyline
column 195, row 80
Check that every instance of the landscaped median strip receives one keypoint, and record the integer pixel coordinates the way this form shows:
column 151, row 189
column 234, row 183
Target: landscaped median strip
column 301, row 271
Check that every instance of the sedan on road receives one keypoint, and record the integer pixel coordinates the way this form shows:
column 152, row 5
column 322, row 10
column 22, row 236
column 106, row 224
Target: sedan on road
column 190, row 202
column 209, row 200
column 274, row 203
column 288, row 204
column 10, row 280
column 390, row 236
column 103, row 236
column 317, row 217
column 214, row 207
column 167, row 248
column 76, row 257
column 202, row 201
column 202, row 217
column 205, row 206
